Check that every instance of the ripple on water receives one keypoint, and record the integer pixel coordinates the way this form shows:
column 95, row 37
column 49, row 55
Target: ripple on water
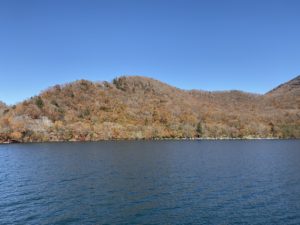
column 167, row 182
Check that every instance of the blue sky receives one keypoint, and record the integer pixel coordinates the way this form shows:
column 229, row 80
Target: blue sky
column 212, row 45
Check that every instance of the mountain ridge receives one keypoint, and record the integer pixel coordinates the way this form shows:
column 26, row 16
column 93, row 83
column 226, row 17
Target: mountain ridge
column 287, row 86
column 136, row 107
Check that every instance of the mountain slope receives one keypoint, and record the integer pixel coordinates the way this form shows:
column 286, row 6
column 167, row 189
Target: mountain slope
column 138, row 107
column 286, row 88
column 3, row 107
column 286, row 96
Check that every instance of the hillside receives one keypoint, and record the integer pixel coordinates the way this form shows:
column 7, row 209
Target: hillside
column 143, row 108
column 3, row 107
column 286, row 95
column 286, row 88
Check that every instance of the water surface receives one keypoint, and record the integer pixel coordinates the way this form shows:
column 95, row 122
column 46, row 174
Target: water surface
column 151, row 182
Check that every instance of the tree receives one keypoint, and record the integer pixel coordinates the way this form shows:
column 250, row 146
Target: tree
column 272, row 129
column 199, row 129
column 39, row 102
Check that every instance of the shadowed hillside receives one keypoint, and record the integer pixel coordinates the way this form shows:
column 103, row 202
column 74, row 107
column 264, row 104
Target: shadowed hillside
column 138, row 107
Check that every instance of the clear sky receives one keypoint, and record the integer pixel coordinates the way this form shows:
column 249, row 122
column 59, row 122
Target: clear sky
column 203, row 44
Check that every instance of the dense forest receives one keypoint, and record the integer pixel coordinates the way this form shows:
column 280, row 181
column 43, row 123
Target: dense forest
column 135, row 107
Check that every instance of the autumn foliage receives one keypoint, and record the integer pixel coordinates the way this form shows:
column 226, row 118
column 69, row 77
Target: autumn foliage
column 143, row 108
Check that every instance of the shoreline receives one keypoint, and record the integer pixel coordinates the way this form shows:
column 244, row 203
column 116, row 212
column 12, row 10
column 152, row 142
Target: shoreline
column 151, row 139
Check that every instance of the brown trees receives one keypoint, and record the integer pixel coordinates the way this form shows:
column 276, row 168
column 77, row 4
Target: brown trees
column 139, row 107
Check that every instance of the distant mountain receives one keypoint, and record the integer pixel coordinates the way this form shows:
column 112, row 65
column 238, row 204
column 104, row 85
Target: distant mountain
column 135, row 107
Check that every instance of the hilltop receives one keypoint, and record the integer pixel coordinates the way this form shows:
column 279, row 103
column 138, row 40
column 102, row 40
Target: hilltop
column 286, row 95
column 290, row 86
column 136, row 107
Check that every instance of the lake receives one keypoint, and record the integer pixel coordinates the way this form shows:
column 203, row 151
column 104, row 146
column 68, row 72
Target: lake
column 151, row 182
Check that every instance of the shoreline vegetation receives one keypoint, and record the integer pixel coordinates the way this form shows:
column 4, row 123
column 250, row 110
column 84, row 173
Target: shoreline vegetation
column 141, row 108
column 154, row 139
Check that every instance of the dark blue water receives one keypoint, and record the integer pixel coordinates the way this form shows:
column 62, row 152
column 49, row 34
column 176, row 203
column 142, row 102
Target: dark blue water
column 151, row 182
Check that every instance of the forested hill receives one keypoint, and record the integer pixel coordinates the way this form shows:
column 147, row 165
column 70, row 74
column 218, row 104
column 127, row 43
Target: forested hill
column 137, row 107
